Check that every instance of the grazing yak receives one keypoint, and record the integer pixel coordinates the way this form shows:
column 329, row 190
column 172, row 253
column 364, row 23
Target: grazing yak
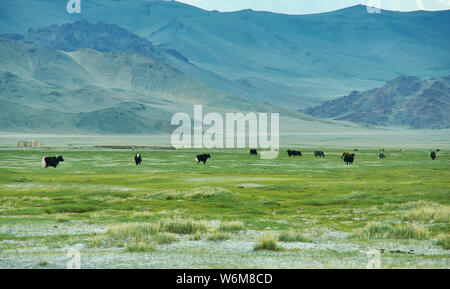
column 349, row 159
column 381, row 156
column 433, row 155
column 294, row 153
column 138, row 159
column 319, row 154
column 202, row 158
column 253, row 152
column 51, row 161
column 345, row 154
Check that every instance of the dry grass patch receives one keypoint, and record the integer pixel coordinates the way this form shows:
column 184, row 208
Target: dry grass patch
column 183, row 226
column 165, row 238
column 218, row 236
column 126, row 235
column 430, row 212
column 195, row 237
column 388, row 231
column 135, row 245
column 197, row 193
column 294, row 236
column 267, row 242
column 232, row 226
column 444, row 241
column 408, row 205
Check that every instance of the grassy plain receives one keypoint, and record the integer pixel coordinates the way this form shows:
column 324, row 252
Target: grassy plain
column 172, row 213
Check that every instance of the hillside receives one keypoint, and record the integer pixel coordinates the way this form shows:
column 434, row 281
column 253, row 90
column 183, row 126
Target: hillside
column 92, row 91
column 44, row 89
column 282, row 59
column 403, row 101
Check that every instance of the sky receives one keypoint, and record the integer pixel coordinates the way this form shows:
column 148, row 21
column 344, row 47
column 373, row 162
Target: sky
column 316, row 6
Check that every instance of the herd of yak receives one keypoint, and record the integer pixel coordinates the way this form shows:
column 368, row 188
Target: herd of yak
column 348, row 158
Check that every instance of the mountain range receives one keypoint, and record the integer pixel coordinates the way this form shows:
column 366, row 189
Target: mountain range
column 117, row 56
column 89, row 90
column 403, row 101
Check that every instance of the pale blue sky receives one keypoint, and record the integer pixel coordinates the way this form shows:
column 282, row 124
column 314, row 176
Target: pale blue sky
column 316, row 6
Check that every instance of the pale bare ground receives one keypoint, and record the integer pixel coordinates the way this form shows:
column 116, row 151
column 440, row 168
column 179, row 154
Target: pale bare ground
column 313, row 136
column 330, row 249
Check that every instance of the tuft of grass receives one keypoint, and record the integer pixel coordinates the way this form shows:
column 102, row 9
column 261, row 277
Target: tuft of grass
column 165, row 238
column 60, row 218
column 293, row 236
column 96, row 241
column 134, row 230
column 42, row 263
column 195, row 237
column 444, row 241
column 388, row 231
column 267, row 242
column 183, row 226
column 197, row 193
column 408, row 205
column 218, row 236
column 232, row 226
column 125, row 234
column 139, row 246
column 430, row 212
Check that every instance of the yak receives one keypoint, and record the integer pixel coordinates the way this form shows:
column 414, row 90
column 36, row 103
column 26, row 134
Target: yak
column 138, row 159
column 202, row 158
column 349, row 159
column 319, row 154
column 253, row 152
column 51, row 161
column 433, row 155
column 381, row 156
column 345, row 154
column 292, row 153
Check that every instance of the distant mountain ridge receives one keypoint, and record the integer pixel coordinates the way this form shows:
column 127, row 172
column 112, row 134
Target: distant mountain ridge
column 86, row 90
column 288, row 60
column 102, row 37
column 403, row 101
column 118, row 55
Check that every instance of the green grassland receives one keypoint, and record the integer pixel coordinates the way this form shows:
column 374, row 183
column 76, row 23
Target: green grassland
column 237, row 211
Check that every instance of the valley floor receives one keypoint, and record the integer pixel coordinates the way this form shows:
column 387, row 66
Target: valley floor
column 229, row 213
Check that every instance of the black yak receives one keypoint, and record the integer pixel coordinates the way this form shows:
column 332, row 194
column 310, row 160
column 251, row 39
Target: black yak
column 349, row 159
column 433, row 155
column 319, row 154
column 253, row 152
column 345, row 154
column 202, row 158
column 381, row 156
column 51, row 161
column 138, row 159
column 292, row 153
